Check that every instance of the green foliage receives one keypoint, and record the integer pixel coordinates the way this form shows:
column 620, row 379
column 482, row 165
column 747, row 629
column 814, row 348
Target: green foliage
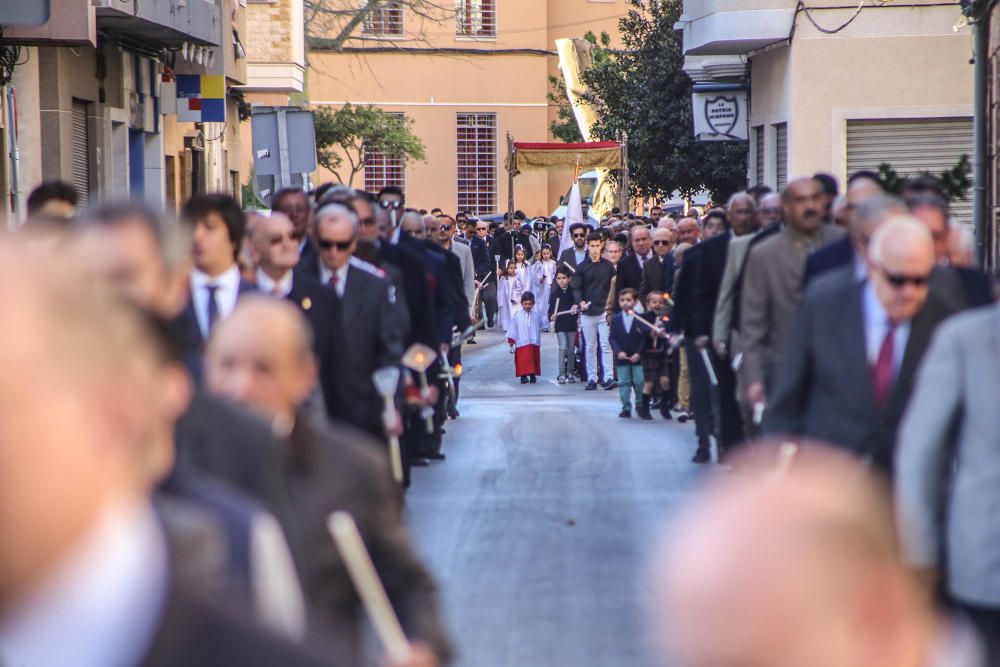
column 247, row 195
column 642, row 90
column 955, row 182
column 344, row 133
column 564, row 127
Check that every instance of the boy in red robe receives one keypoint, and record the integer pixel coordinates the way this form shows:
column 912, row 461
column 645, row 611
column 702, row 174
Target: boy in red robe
column 525, row 335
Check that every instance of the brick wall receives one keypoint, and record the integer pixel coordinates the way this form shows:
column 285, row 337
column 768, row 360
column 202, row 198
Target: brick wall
column 269, row 32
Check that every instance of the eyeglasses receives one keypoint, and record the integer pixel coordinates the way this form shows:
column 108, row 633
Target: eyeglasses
column 367, row 221
column 663, row 242
column 579, row 236
column 325, row 244
column 445, row 228
column 482, row 229
column 390, row 203
column 898, row 280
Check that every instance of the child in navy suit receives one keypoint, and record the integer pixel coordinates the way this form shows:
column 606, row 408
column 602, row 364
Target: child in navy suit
column 628, row 339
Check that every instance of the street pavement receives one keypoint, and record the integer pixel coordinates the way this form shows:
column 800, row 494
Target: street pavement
column 539, row 525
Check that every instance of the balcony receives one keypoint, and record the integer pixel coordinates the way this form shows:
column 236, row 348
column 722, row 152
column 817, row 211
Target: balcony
column 162, row 23
column 734, row 27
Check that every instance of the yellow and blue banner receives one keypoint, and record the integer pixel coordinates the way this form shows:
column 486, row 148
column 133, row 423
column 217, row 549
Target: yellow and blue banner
column 201, row 98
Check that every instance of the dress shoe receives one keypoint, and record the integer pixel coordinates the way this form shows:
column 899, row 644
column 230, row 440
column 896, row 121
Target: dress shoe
column 625, row 413
column 524, row 379
column 561, row 379
column 471, row 341
column 419, row 463
column 591, row 386
column 437, row 456
column 643, row 413
column 682, row 417
column 701, row 456
column 609, row 385
column 532, row 379
column 571, row 379
column 453, row 413
column 665, row 412
column 490, row 324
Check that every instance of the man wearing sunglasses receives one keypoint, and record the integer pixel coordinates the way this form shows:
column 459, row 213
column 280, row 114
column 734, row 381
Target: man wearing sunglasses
column 849, row 366
column 577, row 253
column 370, row 327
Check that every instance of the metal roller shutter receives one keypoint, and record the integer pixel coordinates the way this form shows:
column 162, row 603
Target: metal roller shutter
column 781, row 154
column 81, row 153
column 912, row 146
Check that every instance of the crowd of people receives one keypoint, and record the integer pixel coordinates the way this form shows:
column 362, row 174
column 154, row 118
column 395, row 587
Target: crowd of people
column 228, row 382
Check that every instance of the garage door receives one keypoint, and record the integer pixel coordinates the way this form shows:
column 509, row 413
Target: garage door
column 912, row 146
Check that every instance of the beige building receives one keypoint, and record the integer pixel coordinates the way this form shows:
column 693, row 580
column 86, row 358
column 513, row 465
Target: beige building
column 839, row 89
column 466, row 79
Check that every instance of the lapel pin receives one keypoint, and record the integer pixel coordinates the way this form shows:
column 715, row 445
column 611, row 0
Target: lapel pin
column 307, row 303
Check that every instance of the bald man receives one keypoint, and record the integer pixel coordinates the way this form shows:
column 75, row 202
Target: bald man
column 88, row 581
column 793, row 570
column 262, row 359
column 848, row 369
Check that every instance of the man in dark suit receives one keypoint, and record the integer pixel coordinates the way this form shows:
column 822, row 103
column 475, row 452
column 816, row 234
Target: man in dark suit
column 658, row 272
column 486, row 270
column 89, row 580
column 630, row 267
column 508, row 239
column 325, row 470
column 577, row 253
column 369, row 328
column 739, row 220
column 294, row 203
column 217, row 227
column 963, row 286
column 848, row 369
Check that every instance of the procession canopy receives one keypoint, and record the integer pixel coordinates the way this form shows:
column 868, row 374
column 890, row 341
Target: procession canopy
column 559, row 156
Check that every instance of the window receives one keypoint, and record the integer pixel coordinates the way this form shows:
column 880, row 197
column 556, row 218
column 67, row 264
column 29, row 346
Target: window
column 80, row 151
column 385, row 20
column 476, row 18
column 781, row 155
column 382, row 170
column 477, row 162
column 758, row 140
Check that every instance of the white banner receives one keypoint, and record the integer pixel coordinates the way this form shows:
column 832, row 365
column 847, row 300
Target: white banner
column 720, row 116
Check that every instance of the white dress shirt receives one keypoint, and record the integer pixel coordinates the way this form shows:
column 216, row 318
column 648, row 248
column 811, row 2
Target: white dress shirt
column 267, row 285
column 100, row 605
column 877, row 326
column 325, row 274
column 644, row 258
column 228, row 284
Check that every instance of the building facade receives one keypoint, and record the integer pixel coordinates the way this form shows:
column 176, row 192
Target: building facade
column 95, row 102
column 837, row 89
column 466, row 78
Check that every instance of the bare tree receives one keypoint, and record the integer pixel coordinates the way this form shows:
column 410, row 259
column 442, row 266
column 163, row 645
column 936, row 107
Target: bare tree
column 331, row 23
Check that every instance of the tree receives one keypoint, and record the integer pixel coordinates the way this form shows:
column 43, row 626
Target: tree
column 347, row 132
column 642, row 90
column 954, row 182
column 331, row 23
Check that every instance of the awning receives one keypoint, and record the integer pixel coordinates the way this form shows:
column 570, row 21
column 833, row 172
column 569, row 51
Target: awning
column 559, row 156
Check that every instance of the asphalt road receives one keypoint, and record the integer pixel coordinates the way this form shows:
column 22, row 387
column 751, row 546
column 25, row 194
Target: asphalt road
column 540, row 523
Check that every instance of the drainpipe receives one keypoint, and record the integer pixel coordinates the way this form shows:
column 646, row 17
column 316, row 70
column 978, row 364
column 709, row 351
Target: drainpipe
column 980, row 161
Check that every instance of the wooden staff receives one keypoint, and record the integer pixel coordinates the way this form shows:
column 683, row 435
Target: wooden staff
column 566, row 264
column 361, row 570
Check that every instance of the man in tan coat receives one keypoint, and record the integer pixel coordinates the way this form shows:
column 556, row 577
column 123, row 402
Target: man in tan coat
column 772, row 285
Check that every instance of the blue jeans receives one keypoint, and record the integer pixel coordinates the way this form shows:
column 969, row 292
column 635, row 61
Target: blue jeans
column 567, row 360
column 629, row 379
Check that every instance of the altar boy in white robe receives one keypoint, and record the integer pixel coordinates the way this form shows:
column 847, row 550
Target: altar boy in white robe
column 525, row 335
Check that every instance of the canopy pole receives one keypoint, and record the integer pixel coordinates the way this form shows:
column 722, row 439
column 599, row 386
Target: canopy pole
column 510, row 177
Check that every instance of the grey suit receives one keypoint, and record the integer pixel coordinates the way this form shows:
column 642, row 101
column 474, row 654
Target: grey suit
column 464, row 253
column 722, row 324
column 772, row 289
column 824, row 387
column 953, row 419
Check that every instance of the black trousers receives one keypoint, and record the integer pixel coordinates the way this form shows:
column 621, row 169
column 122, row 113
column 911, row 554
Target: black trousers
column 729, row 421
column 488, row 295
column 455, row 357
column 701, row 393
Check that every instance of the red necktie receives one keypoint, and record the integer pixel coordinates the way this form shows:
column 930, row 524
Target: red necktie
column 882, row 374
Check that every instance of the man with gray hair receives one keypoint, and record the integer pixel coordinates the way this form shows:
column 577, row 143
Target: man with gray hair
column 369, row 326
column 849, row 365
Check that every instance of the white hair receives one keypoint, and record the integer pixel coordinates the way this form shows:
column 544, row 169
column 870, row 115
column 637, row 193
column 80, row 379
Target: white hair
column 897, row 228
column 335, row 210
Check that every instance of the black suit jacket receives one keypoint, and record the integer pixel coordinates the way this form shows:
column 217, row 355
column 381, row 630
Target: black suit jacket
column 416, row 291
column 569, row 257
column 629, row 274
column 824, row 386
column 505, row 243
column 371, row 341
column 657, row 276
column 189, row 335
column 682, row 320
column 833, row 256
column 338, row 468
column 706, row 288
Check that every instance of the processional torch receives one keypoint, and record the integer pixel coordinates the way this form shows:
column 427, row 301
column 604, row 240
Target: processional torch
column 386, row 383
column 418, row 359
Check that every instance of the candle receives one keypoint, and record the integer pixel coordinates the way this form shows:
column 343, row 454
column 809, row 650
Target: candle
column 366, row 582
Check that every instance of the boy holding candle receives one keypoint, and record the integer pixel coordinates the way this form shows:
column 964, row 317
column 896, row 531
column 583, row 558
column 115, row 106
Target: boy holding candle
column 628, row 339
column 656, row 357
column 563, row 311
